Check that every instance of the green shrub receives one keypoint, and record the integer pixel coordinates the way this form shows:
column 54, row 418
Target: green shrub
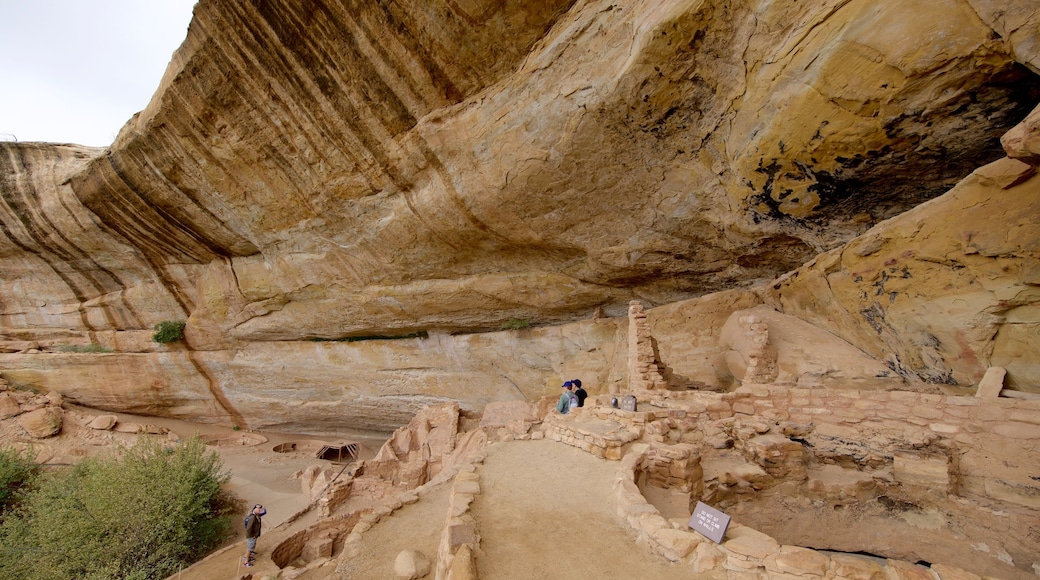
column 168, row 331
column 420, row 334
column 140, row 516
column 516, row 324
column 17, row 471
column 83, row 348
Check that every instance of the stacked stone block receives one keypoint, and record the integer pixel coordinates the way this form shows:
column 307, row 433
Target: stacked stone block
column 761, row 363
column 676, row 467
column 644, row 373
column 459, row 540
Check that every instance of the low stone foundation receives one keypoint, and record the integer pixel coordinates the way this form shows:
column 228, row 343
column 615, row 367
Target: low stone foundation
column 601, row 437
column 459, row 540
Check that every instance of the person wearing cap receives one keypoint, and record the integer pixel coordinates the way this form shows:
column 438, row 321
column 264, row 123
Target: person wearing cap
column 567, row 399
column 579, row 392
column 253, row 522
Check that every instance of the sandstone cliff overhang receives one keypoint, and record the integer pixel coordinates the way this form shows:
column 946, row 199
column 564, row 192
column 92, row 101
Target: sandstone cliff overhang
column 330, row 170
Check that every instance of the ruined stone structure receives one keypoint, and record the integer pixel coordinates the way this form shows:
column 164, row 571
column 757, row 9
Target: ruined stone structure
column 908, row 475
column 643, row 371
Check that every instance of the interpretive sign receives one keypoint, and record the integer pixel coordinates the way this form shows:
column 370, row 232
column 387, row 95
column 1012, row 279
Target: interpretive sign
column 709, row 521
column 628, row 403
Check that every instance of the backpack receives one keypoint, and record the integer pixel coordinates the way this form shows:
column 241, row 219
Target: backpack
column 572, row 401
column 245, row 522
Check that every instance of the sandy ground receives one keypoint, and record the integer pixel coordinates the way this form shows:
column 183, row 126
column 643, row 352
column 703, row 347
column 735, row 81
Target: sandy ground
column 548, row 511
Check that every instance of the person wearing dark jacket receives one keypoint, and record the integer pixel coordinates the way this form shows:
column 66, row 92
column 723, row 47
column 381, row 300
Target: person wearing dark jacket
column 579, row 392
column 253, row 523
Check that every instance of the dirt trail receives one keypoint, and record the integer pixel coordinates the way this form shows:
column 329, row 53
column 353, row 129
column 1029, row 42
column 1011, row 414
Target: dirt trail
column 548, row 510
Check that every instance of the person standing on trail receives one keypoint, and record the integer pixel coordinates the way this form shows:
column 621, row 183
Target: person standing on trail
column 253, row 523
column 567, row 399
column 579, row 392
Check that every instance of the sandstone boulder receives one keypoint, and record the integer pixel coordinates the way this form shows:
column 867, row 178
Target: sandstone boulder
column 1023, row 141
column 103, row 422
column 706, row 557
column 54, row 398
column 992, row 383
column 41, row 423
column 411, row 564
column 750, row 543
column 799, row 561
column 9, row 406
column 514, row 417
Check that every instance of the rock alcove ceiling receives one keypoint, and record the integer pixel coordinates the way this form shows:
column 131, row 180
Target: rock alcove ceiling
column 347, row 201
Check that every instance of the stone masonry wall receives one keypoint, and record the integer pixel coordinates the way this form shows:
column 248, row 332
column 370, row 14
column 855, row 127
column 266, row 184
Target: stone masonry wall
column 990, row 441
column 643, row 370
column 746, row 552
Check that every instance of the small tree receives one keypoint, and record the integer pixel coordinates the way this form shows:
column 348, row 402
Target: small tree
column 168, row 331
column 139, row 516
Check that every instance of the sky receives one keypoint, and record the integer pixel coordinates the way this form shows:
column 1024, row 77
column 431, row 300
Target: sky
column 75, row 71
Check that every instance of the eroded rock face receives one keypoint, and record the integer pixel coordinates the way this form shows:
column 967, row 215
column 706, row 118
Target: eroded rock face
column 360, row 170
column 369, row 170
column 943, row 292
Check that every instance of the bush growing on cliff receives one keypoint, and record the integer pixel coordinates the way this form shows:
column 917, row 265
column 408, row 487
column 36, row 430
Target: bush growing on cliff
column 168, row 331
column 140, row 516
column 516, row 324
column 92, row 348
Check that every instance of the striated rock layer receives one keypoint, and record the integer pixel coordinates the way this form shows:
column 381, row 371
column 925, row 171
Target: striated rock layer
column 329, row 170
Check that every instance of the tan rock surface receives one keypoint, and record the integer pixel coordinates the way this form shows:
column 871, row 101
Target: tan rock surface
column 372, row 170
column 9, row 407
column 806, row 354
column 941, row 293
column 1023, row 141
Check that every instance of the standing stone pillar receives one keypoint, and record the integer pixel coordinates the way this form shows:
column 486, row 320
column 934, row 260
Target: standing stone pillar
column 761, row 358
column 643, row 371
